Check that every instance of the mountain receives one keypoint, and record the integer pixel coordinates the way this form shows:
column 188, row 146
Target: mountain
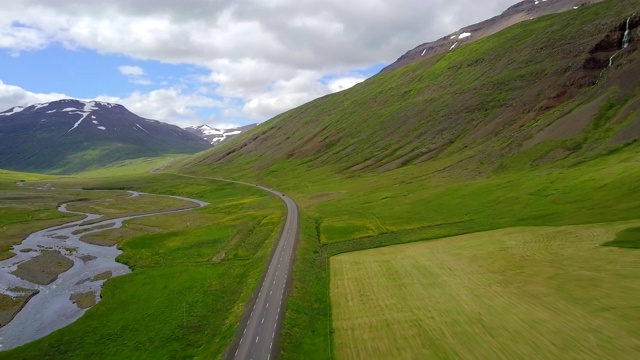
column 216, row 136
column 535, row 125
column 522, row 11
column 562, row 88
column 72, row 135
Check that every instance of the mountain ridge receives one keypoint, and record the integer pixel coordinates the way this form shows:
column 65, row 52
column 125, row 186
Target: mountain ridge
column 71, row 135
column 522, row 11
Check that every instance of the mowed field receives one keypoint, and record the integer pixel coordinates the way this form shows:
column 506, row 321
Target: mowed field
column 516, row 293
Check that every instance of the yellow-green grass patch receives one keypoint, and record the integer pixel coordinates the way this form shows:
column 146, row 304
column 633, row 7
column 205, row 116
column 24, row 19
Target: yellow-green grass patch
column 516, row 293
column 120, row 203
column 340, row 230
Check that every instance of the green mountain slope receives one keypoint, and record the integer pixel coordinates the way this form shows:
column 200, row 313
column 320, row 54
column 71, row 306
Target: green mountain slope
column 520, row 93
column 528, row 127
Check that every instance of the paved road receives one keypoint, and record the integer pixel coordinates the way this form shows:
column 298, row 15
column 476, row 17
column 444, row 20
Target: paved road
column 260, row 332
column 263, row 317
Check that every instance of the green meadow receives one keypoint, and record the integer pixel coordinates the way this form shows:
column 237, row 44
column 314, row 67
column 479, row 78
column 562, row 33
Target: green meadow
column 518, row 293
column 193, row 274
column 599, row 191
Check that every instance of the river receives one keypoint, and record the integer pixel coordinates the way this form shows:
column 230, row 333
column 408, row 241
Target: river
column 52, row 308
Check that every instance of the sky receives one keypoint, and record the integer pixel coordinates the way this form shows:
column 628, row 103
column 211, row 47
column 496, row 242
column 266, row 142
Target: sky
column 219, row 62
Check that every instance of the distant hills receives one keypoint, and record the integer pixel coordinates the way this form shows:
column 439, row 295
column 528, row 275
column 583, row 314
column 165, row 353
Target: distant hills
column 216, row 136
column 72, row 135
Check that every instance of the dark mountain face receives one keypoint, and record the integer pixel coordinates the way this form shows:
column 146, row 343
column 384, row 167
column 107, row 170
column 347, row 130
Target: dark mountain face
column 216, row 136
column 72, row 135
column 522, row 11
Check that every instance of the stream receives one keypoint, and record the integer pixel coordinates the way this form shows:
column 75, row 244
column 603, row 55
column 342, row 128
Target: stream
column 51, row 308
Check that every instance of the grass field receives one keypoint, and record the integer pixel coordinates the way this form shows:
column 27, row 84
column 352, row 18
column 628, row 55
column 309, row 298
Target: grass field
column 517, row 293
column 193, row 274
column 627, row 238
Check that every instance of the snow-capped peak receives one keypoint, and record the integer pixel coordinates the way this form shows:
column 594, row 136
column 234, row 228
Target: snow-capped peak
column 216, row 136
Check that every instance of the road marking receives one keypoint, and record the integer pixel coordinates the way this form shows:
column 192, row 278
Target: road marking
column 270, row 292
column 257, row 337
column 237, row 352
column 267, row 304
column 263, row 320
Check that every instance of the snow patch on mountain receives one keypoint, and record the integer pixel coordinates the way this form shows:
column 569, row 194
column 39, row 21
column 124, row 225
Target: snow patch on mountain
column 88, row 108
column 142, row 128
column 38, row 106
column 13, row 110
column 216, row 136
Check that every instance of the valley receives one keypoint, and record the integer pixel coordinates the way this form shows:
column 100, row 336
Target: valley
column 212, row 255
column 476, row 202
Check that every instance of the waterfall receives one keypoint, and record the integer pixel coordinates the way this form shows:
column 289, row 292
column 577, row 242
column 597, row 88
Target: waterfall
column 625, row 38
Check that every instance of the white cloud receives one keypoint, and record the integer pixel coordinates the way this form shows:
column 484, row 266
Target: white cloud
column 11, row 96
column 169, row 105
column 267, row 54
column 344, row 83
column 222, row 125
column 131, row 70
column 134, row 74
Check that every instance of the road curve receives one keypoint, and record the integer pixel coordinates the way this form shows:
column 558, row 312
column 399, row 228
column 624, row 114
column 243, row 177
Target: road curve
column 258, row 333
